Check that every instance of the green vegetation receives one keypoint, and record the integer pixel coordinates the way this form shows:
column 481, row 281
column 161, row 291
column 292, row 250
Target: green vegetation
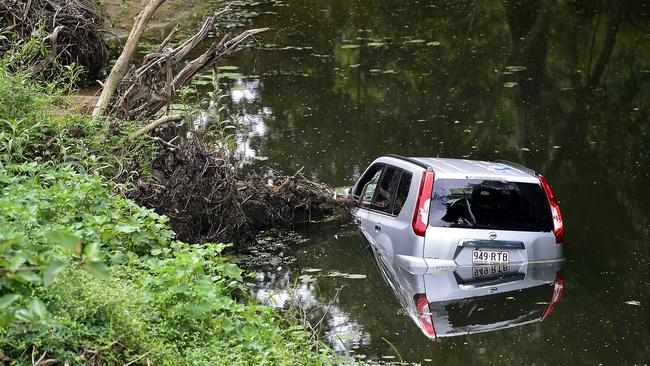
column 89, row 277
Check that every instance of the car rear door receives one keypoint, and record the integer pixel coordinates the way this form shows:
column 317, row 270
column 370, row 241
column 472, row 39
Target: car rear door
column 389, row 218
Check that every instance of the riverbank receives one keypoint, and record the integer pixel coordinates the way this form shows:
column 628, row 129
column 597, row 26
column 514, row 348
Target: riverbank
column 90, row 277
column 120, row 14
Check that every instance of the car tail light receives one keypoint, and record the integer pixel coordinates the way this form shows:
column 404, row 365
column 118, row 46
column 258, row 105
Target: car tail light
column 558, row 225
column 424, row 314
column 558, row 289
column 421, row 215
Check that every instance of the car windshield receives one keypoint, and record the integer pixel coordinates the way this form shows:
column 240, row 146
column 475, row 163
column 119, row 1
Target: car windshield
column 489, row 204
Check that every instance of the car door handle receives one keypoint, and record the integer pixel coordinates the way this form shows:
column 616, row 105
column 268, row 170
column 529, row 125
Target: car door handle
column 377, row 227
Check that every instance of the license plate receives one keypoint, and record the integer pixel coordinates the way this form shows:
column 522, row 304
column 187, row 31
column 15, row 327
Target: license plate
column 490, row 257
column 490, row 271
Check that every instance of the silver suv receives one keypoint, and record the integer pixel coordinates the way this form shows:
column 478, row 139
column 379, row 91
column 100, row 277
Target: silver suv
column 432, row 214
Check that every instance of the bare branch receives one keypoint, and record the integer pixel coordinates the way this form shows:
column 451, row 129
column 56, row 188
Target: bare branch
column 155, row 124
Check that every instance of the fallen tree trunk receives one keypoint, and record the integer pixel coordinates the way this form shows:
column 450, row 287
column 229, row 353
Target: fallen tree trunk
column 142, row 92
column 121, row 65
column 155, row 124
column 206, row 201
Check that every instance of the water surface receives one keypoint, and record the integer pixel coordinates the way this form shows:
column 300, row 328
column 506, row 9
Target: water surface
column 335, row 84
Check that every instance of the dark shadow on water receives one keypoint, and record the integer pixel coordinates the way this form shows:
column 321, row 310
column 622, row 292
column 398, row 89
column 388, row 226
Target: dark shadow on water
column 561, row 87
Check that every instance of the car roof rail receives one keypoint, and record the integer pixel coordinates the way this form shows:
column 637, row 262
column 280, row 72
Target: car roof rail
column 410, row 160
column 517, row 166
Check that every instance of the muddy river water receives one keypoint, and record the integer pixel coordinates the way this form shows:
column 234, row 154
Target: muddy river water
column 562, row 87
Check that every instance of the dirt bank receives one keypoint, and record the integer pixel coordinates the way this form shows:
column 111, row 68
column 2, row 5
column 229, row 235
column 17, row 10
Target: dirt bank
column 120, row 14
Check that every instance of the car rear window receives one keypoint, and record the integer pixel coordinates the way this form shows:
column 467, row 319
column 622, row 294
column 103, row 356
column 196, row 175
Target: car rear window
column 489, row 204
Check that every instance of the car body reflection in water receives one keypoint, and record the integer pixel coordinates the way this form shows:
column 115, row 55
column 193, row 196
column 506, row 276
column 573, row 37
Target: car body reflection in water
column 468, row 300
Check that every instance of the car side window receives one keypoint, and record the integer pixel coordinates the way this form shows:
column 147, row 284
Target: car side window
column 385, row 192
column 402, row 192
column 369, row 187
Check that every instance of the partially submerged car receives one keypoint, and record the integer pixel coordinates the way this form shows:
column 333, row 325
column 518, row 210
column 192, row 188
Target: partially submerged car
column 433, row 213
column 475, row 299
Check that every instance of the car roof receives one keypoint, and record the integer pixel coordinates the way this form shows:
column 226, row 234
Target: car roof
column 473, row 169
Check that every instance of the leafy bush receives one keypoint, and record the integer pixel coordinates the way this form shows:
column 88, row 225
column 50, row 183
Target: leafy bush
column 36, row 125
column 171, row 300
column 88, row 277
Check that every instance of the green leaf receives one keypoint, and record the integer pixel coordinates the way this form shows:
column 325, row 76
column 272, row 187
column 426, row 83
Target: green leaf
column 66, row 240
column 124, row 228
column 28, row 276
column 375, row 44
column 6, row 300
column 350, row 46
column 38, row 308
column 25, row 315
column 51, row 271
column 228, row 67
column 198, row 309
column 415, row 41
column 433, row 44
column 91, row 251
column 98, row 269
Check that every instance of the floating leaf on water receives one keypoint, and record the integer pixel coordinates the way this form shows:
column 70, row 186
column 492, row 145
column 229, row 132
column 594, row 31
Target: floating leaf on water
column 307, row 278
column 232, row 75
column 261, row 158
column 375, row 44
column 228, row 67
column 525, row 149
column 348, row 336
column 355, row 65
column 353, row 276
column 509, row 84
column 515, row 68
column 433, row 44
column 412, row 41
column 375, row 71
column 335, row 274
column 387, row 357
column 389, row 72
column 633, row 302
column 350, row 46
column 310, row 270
